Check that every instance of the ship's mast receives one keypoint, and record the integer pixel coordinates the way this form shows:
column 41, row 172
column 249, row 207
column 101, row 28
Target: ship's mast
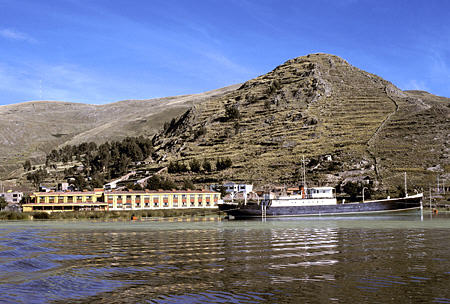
column 406, row 190
column 304, row 173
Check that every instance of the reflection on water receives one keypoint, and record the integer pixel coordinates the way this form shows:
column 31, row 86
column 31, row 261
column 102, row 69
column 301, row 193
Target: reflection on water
column 383, row 260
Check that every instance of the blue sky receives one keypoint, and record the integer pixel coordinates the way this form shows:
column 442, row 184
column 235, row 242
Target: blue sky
column 104, row 51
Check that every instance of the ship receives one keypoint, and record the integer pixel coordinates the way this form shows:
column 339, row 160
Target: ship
column 316, row 201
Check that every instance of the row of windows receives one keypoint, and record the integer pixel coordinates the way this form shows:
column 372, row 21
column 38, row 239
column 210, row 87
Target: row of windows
column 175, row 197
column 127, row 196
column 156, row 205
column 165, row 197
column 68, row 197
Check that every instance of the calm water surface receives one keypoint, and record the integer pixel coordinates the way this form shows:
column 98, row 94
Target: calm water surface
column 311, row 260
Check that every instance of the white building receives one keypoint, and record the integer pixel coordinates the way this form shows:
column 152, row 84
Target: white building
column 12, row 197
column 232, row 187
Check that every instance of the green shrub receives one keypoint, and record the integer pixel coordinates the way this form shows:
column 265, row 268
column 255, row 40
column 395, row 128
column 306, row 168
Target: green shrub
column 232, row 112
column 41, row 215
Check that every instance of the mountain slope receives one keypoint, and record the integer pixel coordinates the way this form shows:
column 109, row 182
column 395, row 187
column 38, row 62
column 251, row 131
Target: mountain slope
column 29, row 130
column 313, row 106
column 348, row 124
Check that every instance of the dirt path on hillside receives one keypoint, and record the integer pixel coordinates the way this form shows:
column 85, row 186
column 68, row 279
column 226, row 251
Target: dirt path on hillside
column 377, row 131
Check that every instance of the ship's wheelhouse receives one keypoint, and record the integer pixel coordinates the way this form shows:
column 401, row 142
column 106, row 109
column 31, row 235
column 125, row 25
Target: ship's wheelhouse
column 321, row 192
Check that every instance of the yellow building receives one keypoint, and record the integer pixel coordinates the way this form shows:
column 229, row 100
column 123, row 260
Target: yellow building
column 66, row 201
column 120, row 200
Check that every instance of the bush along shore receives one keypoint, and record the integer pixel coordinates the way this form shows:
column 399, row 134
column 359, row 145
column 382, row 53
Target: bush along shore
column 109, row 215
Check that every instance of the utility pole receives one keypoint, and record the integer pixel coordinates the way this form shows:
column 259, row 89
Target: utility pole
column 430, row 195
column 438, row 190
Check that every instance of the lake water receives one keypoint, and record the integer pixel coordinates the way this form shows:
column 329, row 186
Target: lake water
column 401, row 259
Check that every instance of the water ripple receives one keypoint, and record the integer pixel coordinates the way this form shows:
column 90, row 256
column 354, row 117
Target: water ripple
column 223, row 263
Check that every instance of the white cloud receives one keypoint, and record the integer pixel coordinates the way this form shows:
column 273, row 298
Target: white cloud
column 16, row 35
column 226, row 62
column 414, row 84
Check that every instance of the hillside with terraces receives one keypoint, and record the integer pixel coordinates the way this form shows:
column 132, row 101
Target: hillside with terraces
column 348, row 124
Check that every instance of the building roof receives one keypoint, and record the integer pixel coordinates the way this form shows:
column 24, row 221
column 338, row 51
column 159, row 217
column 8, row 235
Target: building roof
column 61, row 193
column 66, row 193
column 161, row 191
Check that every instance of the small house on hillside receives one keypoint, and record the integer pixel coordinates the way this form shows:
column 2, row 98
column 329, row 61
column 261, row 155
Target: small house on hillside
column 12, row 196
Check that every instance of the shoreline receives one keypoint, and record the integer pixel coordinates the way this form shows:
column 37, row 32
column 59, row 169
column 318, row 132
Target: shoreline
column 109, row 215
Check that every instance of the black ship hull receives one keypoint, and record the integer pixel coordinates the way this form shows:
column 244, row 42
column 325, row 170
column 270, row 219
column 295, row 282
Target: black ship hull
column 387, row 205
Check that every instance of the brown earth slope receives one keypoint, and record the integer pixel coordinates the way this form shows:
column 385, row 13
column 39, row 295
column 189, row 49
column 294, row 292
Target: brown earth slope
column 348, row 124
column 314, row 106
column 31, row 129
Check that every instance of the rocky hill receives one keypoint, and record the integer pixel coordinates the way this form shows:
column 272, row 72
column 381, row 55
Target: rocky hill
column 347, row 123
column 29, row 130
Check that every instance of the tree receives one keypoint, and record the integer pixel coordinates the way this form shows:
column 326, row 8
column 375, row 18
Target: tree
column 80, row 182
column 25, row 199
column 37, row 177
column 195, row 165
column 172, row 167
column 188, row 184
column 352, row 189
column 222, row 164
column 98, row 180
column 3, row 203
column 232, row 112
column 200, row 132
column 236, row 127
column 182, row 167
column 222, row 190
column 401, row 191
column 207, row 165
column 27, row 165
column 156, row 182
